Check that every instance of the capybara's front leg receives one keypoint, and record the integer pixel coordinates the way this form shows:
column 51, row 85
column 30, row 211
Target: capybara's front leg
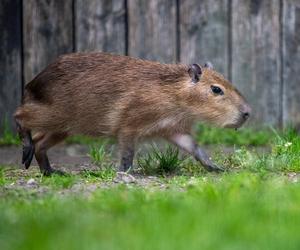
column 126, row 150
column 186, row 142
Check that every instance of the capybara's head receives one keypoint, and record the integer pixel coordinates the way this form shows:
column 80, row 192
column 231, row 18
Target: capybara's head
column 213, row 99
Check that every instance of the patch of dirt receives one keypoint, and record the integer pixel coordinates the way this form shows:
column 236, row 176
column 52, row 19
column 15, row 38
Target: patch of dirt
column 69, row 156
column 30, row 182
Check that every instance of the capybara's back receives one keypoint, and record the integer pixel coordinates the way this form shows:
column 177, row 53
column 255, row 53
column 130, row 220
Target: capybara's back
column 92, row 93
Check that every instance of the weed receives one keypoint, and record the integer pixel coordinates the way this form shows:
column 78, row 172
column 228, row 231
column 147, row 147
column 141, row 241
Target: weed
column 99, row 154
column 58, row 181
column 106, row 174
column 2, row 177
column 160, row 162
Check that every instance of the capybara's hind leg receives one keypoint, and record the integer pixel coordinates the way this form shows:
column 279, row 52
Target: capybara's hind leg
column 28, row 145
column 42, row 144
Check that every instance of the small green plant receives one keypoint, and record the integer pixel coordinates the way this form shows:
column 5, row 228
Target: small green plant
column 2, row 177
column 59, row 181
column 99, row 154
column 160, row 162
column 107, row 174
column 8, row 137
column 286, row 150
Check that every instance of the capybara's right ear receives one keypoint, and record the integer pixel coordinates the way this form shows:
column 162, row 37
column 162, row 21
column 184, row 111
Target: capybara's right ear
column 195, row 72
column 208, row 65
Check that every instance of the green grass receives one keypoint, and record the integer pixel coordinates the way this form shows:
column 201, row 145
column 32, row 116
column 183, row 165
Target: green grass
column 159, row 161
column 255, row 204
column 284, row 155
column 8, row 137
column 241, row 137
column 99, row 153
column 106, row 174
column 236, row 211
column 58, row 182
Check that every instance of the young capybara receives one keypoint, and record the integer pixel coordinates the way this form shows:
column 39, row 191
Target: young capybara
column 99, row 94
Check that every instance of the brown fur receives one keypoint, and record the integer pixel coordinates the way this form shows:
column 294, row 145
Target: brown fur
column 100, row 94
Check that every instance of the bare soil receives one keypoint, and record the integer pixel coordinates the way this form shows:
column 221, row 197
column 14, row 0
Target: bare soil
column 68, row 156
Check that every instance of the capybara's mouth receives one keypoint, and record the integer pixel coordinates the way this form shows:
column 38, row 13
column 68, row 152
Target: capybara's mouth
column 236, row 124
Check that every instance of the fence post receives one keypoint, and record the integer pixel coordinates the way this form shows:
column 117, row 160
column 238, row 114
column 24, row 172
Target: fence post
column 47, row 33
column 256, row 59
column 10, row 59
column 100, row 25
column 291, row 62
column 204, row 33
column 152, row 29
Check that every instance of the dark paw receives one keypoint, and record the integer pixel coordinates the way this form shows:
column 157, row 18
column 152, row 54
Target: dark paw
column 125, row 169
column 214, row 168
column 52, row 171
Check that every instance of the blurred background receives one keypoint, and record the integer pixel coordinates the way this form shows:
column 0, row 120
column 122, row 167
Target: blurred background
column 254, row 43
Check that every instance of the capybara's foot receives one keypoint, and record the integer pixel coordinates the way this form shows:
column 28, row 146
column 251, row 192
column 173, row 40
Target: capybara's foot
column 52, row 171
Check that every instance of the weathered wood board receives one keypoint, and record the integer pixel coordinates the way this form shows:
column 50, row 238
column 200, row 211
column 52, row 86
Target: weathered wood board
column 152, row 29
column 204, row 33
column 47, row 31
column 291, row 62
column 100, row 25
column 10, row 59
column 256, row 60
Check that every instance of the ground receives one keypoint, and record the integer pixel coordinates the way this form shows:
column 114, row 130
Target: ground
column 167, row 202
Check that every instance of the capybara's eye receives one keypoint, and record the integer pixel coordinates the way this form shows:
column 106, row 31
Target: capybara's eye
column 216, row 90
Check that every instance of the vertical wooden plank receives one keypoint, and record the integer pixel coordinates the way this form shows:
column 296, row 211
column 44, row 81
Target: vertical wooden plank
column 152, row 29
column 256, row 65
column 204, row 29
column 291, row 62
column 10, row 58
column 100, row 25
column 48, row 31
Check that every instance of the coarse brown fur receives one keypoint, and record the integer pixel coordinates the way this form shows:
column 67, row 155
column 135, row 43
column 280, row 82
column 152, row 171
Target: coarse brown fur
column 100, row 94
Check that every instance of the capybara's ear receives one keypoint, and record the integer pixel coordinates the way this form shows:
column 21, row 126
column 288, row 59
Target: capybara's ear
column 195, row 72
column 208, row 65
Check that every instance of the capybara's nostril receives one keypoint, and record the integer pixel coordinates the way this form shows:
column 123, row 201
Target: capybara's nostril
column 245, row 110
column 246, row 115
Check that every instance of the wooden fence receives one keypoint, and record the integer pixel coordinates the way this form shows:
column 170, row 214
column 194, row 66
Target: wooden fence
column 254, row 43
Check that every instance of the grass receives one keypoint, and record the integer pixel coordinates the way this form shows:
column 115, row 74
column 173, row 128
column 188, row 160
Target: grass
column 243, row 137
column 284, row 155
column 160, row 162
column 58, row 182
column 234, row 211
column 253, row 205
column 98, row 153
column 8, row 137
column 106, row 174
